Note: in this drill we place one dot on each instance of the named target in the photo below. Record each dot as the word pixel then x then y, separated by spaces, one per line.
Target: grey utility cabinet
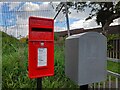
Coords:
pixel 86 58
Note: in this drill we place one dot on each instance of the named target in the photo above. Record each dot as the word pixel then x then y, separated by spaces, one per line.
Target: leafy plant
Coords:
pixel 56 37
pixel 111 37
pixel 9 44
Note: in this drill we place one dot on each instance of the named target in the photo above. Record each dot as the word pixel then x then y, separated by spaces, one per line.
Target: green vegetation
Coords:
pixel 15 73
pixel 55 37
pixel 58 80
pixel 14 66
pixel 113 66
pixel 113 36
pixel 9 44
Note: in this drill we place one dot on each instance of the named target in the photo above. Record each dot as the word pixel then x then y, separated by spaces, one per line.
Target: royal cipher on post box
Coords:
pixel 41 47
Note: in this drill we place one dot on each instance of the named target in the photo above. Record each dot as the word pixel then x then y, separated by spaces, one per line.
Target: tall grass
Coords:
pixel 14 71
pixel 113 66
pixel 15 64
pixel 59 80
pixel 15 74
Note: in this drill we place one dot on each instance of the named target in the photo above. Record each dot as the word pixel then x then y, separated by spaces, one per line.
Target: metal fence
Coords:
pixel 112 81
pixel 14 16
pixel 114 49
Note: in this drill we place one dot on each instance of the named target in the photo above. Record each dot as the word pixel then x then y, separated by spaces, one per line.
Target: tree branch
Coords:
pixel 108 22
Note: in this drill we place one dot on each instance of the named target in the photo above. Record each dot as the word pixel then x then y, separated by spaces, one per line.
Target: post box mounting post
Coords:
pixel 39 84
pixel 84 87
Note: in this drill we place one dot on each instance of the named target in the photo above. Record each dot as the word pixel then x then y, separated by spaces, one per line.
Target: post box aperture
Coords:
pixel 41 47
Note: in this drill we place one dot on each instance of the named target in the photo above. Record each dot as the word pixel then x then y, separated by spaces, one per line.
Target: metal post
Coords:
pixel 84 87
pixel 67 19
pixel 58 11
pixel 39 83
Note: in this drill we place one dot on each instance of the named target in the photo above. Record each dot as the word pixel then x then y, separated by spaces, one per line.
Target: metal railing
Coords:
pixel 112 81
pixel 114 48
pixel 113 78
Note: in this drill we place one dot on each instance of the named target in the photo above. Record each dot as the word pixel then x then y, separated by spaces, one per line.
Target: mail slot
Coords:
pixel 41 47
pixel 85 58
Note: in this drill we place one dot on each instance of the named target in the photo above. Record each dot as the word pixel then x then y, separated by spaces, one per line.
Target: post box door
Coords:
pixel 41 60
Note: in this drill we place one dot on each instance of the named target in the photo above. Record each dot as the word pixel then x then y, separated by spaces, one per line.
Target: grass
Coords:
pixel 15 73
pixel 113 66
pixel 15 61
pixel 9 44
pixel 58 80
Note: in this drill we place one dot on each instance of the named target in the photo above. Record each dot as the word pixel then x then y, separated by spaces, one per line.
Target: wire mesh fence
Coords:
pixel 15 15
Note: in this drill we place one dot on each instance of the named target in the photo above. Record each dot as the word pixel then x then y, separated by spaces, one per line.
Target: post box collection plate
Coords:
pixel 40 47
pixel 42 57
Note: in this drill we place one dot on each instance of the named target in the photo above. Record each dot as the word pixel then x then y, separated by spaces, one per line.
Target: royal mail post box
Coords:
pixel 85 58
pixel 41 47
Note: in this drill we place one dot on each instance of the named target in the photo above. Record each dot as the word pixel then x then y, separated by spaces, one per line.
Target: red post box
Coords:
pixel 41 47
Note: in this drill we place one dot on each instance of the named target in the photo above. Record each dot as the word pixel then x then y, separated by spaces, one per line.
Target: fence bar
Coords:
pixel 94 85
pixel 109 81
pixel 113 74
pixel 116 48
pixel 114 52
pixel 116 82
pixel 110 53
pixel 104 85
pixel 119 49
pixel 114 60
pixel 99 85
pixel 91 85
pixel 113 49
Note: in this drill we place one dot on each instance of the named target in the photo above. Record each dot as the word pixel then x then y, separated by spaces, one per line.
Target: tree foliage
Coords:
pixel 105 12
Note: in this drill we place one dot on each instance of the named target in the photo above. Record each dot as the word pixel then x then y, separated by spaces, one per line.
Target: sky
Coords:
pixel 14 17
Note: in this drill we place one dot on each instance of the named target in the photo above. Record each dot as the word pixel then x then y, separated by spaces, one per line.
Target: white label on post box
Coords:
pixel 42 57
